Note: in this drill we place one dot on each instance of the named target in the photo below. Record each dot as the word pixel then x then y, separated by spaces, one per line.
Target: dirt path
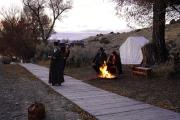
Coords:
pixel 19 89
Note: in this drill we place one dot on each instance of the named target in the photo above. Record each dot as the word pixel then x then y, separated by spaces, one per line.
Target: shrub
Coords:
pixel 80 56
pixel 42 52
pixel 137 30
pixel 94 40
pixel 6 60
pixel 163 70
pixel 104 40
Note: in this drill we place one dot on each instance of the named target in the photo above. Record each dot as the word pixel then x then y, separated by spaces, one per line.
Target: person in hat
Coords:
pixel 66 54
pixel 56 72
pixel 99 59
pixel 52 62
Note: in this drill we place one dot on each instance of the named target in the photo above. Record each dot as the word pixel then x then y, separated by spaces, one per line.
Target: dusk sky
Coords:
pixel 85 16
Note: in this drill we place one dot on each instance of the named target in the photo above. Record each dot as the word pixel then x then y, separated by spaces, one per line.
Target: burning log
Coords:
pixel 104 73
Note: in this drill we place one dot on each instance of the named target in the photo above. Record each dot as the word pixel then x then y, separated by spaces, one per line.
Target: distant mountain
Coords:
pixel 77 35
pixel 72 35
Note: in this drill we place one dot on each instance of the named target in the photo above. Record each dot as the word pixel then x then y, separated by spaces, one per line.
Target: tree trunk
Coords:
pixel 159 11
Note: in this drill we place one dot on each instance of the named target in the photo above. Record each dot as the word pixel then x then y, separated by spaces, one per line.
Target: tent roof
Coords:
pixel 140 40
pixel 130 50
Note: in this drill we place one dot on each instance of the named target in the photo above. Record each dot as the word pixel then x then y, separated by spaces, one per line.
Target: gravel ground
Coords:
pixel 19 89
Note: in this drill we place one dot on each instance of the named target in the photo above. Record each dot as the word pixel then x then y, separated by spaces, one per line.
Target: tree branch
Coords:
pixel 175 8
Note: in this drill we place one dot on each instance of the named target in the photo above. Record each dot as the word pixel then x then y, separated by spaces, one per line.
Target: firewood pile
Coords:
pixel 36 111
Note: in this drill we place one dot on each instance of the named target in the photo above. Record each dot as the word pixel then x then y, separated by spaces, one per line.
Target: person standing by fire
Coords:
pixel 99 59
pixel 114 62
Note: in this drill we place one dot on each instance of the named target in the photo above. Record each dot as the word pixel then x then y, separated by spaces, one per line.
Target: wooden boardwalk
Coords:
pixel 102 104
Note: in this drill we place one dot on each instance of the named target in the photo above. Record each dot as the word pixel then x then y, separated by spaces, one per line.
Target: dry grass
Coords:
pixel 173 32
pixel 45 63
pixel 81 73
pixel 163 70
pixel 17 71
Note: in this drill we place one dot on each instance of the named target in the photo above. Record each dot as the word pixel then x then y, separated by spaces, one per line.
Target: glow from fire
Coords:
pixel 104 73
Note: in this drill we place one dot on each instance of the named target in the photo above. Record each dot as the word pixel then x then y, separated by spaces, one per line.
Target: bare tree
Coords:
pixel 8 14
pixel 16 35
pixel 38 7
pixel 10 18
pixel 144 10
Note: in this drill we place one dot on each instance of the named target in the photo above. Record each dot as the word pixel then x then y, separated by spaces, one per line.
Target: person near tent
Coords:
pixel 110 64
pixel 99 59
pixel 56 72
pixel 114 63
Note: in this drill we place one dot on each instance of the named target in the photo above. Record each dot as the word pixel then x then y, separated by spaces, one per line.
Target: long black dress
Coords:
pixel 56 75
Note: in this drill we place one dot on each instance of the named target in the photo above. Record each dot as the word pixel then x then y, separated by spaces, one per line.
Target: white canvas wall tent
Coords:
pixel 130 50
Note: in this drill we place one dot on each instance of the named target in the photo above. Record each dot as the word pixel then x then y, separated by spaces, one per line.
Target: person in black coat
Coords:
pixel 56 72
pixel 66 54
pixel 52 64
pixel 99 59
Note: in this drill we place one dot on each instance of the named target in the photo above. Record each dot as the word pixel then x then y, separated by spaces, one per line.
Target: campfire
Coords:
pixel 104 73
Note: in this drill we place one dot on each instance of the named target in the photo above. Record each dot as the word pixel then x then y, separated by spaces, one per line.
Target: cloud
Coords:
pixel 85 15
pixel 91 14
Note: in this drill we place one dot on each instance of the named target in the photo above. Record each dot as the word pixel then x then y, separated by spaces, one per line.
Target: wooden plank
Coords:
pixel 73 95
pixel 100 102
pixel 119 110
pixel 94 97
pixel 100 98
pixel 112 105
pixel 143 68
pixel 89 96
pixel 143 114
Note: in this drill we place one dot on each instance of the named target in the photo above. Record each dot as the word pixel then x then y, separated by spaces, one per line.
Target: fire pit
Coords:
pixel 104 73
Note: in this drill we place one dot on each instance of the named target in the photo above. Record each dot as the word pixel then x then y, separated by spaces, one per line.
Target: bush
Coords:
pixel 42 52
pixel 94 40
pixel 163 70
pixel 104 40
pixel 80 56
pixel 137 30
pixel 6 60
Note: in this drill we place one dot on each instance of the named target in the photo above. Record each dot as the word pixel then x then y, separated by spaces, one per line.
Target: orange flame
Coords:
pixel 104 72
